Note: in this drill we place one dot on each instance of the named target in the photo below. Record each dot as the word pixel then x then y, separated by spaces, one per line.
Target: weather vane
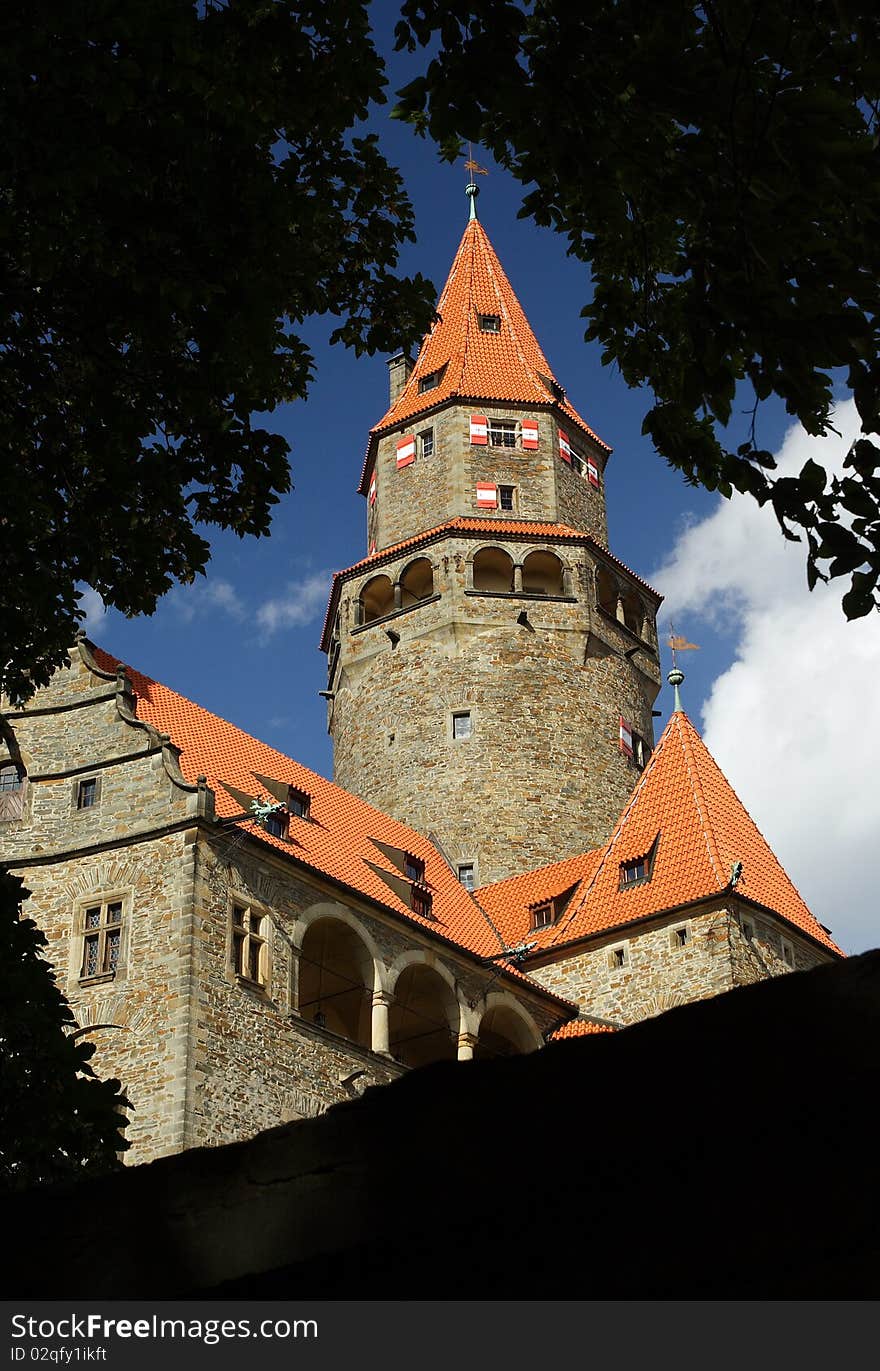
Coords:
pixel 474 167
pixel 679 644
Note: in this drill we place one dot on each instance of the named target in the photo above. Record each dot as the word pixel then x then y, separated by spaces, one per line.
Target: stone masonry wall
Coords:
pixel 659 973
pixel 257 1061
pixel 443 486
pixel 541 775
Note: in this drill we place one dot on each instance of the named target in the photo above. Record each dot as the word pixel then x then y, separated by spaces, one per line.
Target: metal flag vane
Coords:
pixel 676 676
pixel 472 190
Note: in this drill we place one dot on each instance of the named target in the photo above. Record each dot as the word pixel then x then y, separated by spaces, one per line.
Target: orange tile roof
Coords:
pixel 475 365
pixel 685 805
pixel 576 1028
pixel 501 528
pixel 336 840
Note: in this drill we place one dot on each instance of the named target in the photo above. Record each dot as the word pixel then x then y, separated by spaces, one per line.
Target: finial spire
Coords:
pixel 675 678
pixel 472 190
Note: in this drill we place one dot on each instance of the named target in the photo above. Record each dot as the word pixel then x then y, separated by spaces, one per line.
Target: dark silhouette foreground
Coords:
pixel 725 1150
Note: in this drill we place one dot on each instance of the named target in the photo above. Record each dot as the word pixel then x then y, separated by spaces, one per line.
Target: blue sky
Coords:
pixel 244 642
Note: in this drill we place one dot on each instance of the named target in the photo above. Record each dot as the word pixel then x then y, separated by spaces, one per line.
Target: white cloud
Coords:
pixel 203 596
pixel 791 721
pixel 302 602
pixel 95 610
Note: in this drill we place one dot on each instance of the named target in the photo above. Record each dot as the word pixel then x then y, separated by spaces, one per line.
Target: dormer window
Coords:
pixel 490 323
pixel 638 869
pixel 276 823
pixel 298 803
pixel 544 914
pixel 431 381
pixel 420 901
pixel 413 868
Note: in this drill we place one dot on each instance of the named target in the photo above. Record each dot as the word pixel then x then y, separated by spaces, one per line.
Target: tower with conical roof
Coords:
pixel 492 665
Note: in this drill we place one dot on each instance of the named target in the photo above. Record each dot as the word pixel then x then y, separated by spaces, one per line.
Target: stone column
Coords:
pixel 466 1044
pixel 379 1039
pixel 517 578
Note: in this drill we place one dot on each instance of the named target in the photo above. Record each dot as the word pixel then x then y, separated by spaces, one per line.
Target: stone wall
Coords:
pixel 433 489
pixel 658 972
pixel 542 775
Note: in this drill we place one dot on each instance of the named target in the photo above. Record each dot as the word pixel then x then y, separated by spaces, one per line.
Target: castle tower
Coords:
pixel 492 666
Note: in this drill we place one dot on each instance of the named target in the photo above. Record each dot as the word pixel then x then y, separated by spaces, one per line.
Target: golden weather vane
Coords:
pixel 474 167
pixel 679 644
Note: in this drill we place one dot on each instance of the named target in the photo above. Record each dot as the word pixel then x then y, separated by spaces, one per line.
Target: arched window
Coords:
pixel 633 613
pixel 336 980
pixel 493 570
pixel 542 574
pixel 12 790
pixel 606 591
pixel 377 599
pixel 503 1034
pixel 423 1023
pixel 417 582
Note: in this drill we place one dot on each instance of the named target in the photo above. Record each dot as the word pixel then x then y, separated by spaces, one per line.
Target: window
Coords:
pixel 429 382
pixel 641 751
pixel 87 793
pixel 679 937
pixel 461 725
pixel 413 868
pixel 502 433
pixel 631 873
pixel 10 777
pixel 276 823
pixel 787 953
pixel 11 791
pixel 505 497
pixel 102 939
pixel 299 803
pixel 543 914
pixel 426 442
pixel 467 876
pixel 250 952
pixel 618 957
pixel 748 929
pixel 490 323
pixel 421 902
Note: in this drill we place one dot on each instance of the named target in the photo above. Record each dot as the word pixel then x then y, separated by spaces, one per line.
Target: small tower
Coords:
pixel 492 666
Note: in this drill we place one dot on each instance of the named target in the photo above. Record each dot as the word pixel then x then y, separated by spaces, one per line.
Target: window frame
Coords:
pixel 482 320
pixel 618 957
pixel 472 868
pixel 543 905
pixel 77 793
pixel 457 714
pixel 508 427
pixel 510 491
pixel 248 939
pixel 108 967
pixel 426 442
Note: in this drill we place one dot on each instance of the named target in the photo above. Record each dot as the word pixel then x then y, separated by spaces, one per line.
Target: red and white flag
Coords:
pixel 372 492
pixel 487 497
pixel 592 472
pixel 479 430
pixel 529 434
pixel 406 450
pixel 626 737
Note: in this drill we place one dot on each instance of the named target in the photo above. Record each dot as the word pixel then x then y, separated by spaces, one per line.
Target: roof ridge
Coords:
pixel 699 798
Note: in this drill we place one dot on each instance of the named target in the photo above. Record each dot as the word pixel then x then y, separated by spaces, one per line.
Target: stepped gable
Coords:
pixel 338 838
pixel 509 365
pixel 686 818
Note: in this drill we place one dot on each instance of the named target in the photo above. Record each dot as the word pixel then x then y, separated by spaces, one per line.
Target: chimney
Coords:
pixel 399 372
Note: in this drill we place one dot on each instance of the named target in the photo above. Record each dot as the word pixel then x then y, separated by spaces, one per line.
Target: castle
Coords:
pixel 504 857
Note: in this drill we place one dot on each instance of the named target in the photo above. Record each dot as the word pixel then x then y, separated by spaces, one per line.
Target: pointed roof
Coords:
pixel 474 364
pixel 343 836
pixel 686 818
